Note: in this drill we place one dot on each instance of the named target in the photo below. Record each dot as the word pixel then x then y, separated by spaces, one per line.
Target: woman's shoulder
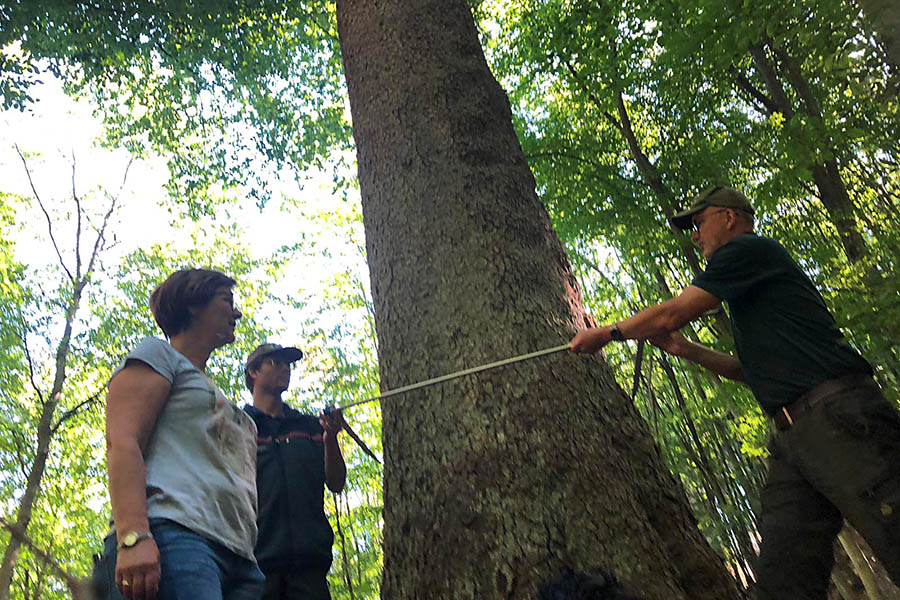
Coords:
pixel 153 349
pixel 153 345
pixel 160 356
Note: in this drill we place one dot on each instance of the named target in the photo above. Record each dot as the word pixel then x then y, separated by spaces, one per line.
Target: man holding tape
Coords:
pixel 296 455
pixel 836 451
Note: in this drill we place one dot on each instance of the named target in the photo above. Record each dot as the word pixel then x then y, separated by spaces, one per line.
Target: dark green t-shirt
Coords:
pixel 785 337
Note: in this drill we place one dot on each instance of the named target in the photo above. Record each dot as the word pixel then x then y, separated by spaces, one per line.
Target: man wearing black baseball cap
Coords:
pixel 836 451
pixel 296 455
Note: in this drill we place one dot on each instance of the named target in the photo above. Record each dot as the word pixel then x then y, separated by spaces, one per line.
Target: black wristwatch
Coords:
pixel 615 334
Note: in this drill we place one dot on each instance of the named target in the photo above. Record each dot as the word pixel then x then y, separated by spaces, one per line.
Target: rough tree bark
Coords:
pixel 493 483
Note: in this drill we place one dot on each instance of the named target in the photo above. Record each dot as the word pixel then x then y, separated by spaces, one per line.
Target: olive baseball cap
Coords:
pixel 725 197
pixel 287 353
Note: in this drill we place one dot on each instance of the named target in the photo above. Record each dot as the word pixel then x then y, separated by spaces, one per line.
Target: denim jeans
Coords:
pixel 192 567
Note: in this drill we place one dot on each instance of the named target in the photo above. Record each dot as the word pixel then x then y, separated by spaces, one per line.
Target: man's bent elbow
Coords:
pixel 735 373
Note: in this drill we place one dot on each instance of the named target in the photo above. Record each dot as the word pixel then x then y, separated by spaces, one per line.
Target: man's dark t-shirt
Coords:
pixel 785 337
pixel 290 481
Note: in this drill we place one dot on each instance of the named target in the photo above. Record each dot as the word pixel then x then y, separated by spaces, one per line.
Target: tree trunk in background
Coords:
pixel 497 482
pixel 826 175
pixel 29 497
pixel 866 567
pixel 84 270
pixel 45 433
pixel 885 18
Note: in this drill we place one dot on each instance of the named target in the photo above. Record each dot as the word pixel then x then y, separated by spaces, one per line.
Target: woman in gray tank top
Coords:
pixel 181 458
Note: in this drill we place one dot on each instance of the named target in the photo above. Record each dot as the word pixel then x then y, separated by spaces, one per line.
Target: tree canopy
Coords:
pixel 625 110
pixel 226 90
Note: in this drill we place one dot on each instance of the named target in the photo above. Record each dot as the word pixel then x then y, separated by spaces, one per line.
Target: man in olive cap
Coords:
pixel 296 455
pixel 836 449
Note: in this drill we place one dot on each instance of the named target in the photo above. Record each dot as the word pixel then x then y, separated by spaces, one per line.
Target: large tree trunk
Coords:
pixel 493 483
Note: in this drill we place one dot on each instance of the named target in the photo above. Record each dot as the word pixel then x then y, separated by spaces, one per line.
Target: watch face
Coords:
pixel 130 539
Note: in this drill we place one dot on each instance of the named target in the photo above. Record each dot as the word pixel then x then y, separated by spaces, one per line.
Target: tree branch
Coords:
pixel 609 117
pixel 24 338
pixel 770 78
pixel 74 410
pixel 798 81
pixel 46 214
pixel 746 85
pixel 593 163
pixel 78 212
pixel 16 437
pixel 632 305
pixel 345 559
pixel 764 158
pixel 75 586
pixel 100 233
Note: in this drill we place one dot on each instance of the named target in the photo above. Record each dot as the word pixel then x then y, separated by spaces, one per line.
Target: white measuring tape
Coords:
pixel 428 382
pixel 463 373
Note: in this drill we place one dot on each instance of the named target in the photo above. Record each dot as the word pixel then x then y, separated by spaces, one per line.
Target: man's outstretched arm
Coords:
pixel 720 363
pixel 658 320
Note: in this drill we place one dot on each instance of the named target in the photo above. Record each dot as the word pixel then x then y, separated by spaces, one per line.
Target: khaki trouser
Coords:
pixel 840 459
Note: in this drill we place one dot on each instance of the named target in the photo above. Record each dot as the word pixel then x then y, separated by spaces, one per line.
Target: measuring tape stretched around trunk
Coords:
pixel 457 374
pixel 429 382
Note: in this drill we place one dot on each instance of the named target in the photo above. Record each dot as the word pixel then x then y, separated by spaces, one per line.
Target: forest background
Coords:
pixel 223 139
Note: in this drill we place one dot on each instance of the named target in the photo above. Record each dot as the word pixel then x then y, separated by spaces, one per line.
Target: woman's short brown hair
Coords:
pixel 181 290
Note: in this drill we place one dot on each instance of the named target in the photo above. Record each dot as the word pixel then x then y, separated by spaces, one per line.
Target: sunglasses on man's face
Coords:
pixel 279 361
pixel 696 222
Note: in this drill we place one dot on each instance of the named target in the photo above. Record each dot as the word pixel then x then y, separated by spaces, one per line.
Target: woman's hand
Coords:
pixel 137 571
